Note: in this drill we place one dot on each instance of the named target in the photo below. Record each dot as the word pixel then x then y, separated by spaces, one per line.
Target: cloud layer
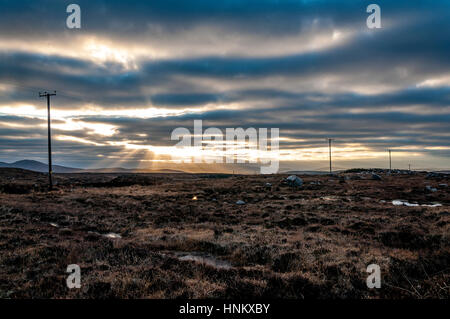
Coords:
pixel 136 70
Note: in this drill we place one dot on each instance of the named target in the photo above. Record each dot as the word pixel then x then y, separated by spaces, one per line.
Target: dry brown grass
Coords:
pixel 314 242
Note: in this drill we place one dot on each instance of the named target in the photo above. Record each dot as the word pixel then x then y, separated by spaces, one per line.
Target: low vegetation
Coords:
pixel 184 236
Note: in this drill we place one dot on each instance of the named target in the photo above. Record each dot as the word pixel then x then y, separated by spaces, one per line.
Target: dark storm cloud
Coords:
pixel 117 17
pixel 371 56
pixel 412 47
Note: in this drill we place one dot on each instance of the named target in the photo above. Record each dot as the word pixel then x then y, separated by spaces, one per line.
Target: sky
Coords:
pixel 137 70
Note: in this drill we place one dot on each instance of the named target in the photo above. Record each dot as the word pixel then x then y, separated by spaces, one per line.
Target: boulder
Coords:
pixel 376 177
pixel 294 181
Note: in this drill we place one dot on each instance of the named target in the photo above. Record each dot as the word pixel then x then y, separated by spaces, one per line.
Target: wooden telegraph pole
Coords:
pixel 48 95
pixel 329 151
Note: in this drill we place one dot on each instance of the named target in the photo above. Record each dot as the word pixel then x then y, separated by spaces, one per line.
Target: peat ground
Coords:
pixel 184 236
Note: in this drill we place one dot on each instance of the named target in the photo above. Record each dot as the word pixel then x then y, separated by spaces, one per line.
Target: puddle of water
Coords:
pixel 399 202
pixel 204 259
pixel 112 235
pixel 330 198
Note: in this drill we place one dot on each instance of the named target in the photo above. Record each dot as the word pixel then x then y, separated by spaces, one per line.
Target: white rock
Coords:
pixel 112 236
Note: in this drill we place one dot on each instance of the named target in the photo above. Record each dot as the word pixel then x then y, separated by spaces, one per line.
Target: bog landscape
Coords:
pixel 225 150
pixel 225 236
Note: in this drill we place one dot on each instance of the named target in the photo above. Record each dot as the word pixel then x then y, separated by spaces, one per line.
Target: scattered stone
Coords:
pixel 294 181
pixel 436 175
pixel 268 185
pixel 376 177
pixel 430 189
pixel 443 185
pixel 112 236
pixel 240 202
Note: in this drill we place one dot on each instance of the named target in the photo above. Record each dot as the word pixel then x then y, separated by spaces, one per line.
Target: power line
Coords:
pixel 48 95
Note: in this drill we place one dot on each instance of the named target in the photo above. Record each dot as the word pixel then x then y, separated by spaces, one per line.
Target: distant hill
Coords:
pixel 306 172
pixel 128 170
pixel 39 167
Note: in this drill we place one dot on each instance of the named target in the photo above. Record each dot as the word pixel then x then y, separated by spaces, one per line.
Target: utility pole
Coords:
pixel 329 149
pixel 390 161
pixel 409 165
pixel 48 95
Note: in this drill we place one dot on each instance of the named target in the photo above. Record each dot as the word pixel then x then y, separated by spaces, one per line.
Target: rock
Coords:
pixel 435 175
pixel 376 177
pixel 295 181
pixel 240 202
pixel 443 185
pixel 112 236
pixel 430 189
pixel 268 185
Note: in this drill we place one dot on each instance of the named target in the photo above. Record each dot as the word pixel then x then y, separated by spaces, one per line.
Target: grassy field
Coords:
pixel 184 236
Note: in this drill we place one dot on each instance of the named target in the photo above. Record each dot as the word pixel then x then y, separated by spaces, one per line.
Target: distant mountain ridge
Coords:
pixel 39 167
